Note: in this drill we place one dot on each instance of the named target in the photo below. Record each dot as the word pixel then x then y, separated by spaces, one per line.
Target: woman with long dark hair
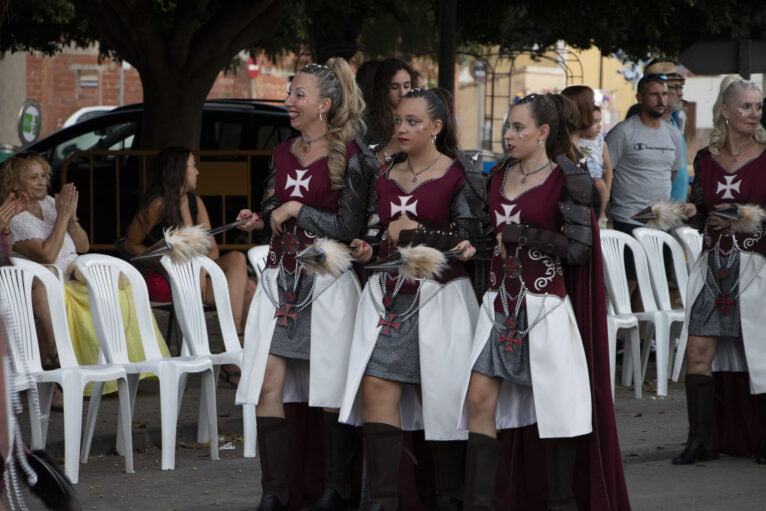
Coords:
pixel 171 202
pixel 415 334
pixel 539 361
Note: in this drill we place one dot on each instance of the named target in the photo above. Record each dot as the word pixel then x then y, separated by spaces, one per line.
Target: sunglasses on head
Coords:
pixel 656 76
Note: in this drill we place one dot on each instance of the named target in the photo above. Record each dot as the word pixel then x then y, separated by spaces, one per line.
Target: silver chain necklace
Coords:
pixel 527 174
pixel 416 174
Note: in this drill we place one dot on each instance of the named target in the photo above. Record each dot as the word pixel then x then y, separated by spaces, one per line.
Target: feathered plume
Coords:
pixel 662 215
pixel 750 219
pixel 326 257
pixel 422 262
pixel 186 242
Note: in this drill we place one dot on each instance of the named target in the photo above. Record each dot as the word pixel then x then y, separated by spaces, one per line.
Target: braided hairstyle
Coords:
pixel 344 120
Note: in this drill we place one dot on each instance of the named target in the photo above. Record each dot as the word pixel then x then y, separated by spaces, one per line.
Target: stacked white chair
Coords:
pixel 16 290
pixel 102 273
pixel 257 256
pixel 654 243
pixel 613 245
pixel 185 279
pixel 691 240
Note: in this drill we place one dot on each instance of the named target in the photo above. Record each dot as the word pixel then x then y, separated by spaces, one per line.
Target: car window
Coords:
pixel 113 138
pixel 271 135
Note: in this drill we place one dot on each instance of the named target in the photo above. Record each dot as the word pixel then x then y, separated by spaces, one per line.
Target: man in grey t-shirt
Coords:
pixel 645 153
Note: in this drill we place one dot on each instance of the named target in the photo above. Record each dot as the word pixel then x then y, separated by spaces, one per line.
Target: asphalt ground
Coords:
pixel 652 430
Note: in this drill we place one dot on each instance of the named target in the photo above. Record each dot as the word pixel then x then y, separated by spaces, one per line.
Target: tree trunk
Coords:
pixel 173 105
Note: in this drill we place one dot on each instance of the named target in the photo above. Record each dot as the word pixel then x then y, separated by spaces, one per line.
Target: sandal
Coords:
pixel 230 374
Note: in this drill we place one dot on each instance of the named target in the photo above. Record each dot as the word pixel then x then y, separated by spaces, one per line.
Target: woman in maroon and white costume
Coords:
pixel 409 333
pixel 298 332
pixel 727 285
pixel 533 354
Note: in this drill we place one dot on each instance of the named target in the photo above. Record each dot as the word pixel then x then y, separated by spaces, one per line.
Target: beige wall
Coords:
pixel 545 75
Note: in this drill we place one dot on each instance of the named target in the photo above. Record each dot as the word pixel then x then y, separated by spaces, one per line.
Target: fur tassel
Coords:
pixel 669 215
pixel 337 259
pixel 422 262
pixel 187 242
pixel 751 218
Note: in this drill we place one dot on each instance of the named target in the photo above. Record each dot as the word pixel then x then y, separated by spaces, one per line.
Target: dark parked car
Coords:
pixel 99 156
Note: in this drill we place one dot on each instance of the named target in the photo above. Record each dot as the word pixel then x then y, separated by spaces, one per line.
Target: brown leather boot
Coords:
pixel 480 468
pixel 699 404
pixel 449 474
pixel 339 440
pixel 383 451
pixel 272 449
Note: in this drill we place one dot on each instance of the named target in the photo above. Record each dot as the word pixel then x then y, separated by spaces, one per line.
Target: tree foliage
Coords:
pixel 178 47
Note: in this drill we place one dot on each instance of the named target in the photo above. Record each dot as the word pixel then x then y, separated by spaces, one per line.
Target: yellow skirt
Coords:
pixel 83 333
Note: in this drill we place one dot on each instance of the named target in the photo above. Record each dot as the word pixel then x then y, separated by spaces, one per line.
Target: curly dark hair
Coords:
pixel 380 123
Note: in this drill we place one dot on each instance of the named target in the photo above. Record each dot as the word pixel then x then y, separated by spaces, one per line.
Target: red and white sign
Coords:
pixel 253 68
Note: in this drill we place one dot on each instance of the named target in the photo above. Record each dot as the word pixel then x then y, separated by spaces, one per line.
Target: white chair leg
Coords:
pixel 125 418
pixel 72 428
pixel 132 392
pixel 44 397
pixel 646 350
pixel 90 421
pixel 212 413
pixel 203 433
pixel 612 338
pixel 634 341
pixel 249 430
pixel 169 412
pixel 35 421
pixel 662 335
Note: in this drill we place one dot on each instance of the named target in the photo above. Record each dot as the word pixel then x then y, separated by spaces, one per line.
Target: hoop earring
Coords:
pixel 726 121
pixel 540 142
pixel 320 116
pixel 433 139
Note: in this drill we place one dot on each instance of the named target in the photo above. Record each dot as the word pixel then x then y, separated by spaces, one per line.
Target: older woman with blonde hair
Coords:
pixel 725 320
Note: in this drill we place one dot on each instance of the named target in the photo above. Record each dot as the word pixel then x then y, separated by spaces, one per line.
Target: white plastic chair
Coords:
pixel 185 281
pixel 614 323
pixel 257 256
pixel 16 286
pixel 613 245
pixel 102 274
pixel 654 242
pixel 691 240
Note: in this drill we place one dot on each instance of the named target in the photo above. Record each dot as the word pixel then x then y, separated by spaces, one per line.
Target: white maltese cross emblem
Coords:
pixel 508 218
pixel 728 187
pixel 404 207
pixel 298 183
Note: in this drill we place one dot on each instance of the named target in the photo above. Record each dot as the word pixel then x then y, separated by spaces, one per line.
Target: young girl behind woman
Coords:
pixel 594 148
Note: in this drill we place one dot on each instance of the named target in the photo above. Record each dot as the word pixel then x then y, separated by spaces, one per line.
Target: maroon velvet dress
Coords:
pixel 520 481
pixel 736 425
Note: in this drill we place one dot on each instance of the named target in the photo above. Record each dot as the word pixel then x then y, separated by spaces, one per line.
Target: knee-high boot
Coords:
pixel 383 451
pixel 272 448
pixel 560 460
pixel 339 440
pixel 449 473
pixel 480 468
pixel 699 405
pixel 760 454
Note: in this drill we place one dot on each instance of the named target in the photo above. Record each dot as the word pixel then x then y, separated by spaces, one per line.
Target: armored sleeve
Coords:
pixel 696 198
pixel 574 242
pixel 347 223
pixel 270 202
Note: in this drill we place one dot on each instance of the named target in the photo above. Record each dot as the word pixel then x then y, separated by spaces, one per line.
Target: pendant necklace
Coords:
pixel 734 156
pixel 307 143
pixel 416 174
pixel 527 174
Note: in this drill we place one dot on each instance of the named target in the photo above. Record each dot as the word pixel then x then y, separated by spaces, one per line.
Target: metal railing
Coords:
pixel 112 183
